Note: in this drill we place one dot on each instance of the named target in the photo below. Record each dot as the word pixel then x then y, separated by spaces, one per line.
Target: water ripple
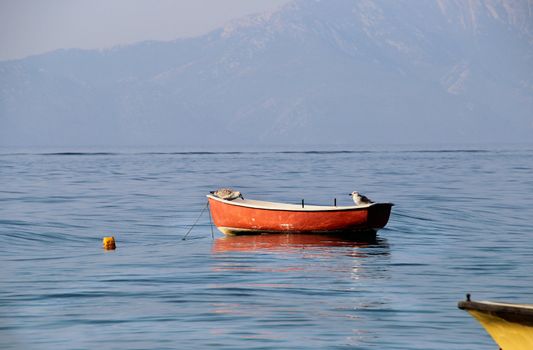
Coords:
pixel 461 224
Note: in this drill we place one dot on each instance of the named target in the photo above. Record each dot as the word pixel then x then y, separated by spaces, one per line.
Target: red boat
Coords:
pixel 244 216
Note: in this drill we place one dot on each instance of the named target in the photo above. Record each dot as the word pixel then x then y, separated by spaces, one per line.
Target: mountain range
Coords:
pixel 312 72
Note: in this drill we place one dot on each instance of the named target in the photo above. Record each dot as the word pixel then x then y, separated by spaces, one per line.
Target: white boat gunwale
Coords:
pixel 264 205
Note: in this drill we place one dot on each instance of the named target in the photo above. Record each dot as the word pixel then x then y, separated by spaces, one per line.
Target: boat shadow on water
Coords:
pixel 363 244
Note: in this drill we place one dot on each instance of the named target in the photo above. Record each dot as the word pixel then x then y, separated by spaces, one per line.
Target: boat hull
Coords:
pixel 510 325
pixel 233 219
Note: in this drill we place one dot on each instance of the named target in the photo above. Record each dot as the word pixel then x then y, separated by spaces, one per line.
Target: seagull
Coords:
pixel 359 199
pixel 227 194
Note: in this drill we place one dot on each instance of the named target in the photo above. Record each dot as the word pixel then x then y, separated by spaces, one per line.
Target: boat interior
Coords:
pixel 287 206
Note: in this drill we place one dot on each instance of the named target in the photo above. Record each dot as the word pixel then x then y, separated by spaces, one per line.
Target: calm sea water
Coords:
pixel 463 222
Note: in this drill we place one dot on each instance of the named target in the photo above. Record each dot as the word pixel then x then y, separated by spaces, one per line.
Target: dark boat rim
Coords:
pixel 510 312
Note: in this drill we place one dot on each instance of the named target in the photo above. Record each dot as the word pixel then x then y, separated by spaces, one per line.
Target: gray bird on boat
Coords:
pixel 227 194
pixel 359 199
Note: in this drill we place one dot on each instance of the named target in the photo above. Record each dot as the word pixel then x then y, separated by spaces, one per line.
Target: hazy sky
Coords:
pixel 35 26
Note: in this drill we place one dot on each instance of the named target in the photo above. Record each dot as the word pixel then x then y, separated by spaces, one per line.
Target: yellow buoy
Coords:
pixel 109 243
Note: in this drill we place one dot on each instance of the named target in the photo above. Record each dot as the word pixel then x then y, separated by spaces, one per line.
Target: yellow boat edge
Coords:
pixel 509 325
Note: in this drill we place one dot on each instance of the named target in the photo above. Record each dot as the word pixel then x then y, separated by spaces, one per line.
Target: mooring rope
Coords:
pixel 211 222
pixel 198 218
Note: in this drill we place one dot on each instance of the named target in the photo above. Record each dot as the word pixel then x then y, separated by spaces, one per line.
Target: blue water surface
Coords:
pixel 463 222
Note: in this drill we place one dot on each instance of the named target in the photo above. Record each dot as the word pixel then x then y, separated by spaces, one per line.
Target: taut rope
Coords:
pixel 198 218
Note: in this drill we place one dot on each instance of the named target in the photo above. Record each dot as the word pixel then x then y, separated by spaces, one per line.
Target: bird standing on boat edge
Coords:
pixel 359 199
pixel 227 194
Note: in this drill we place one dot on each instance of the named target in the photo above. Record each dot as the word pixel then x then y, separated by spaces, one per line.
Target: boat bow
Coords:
pixel 510 325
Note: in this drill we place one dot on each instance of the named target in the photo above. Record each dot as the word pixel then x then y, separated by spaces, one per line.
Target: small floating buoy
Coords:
pixel 109 243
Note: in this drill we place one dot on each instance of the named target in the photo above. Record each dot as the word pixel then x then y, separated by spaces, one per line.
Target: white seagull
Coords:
pixel 359 199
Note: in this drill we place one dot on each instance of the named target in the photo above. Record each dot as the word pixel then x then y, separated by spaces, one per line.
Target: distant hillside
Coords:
pixel 314 72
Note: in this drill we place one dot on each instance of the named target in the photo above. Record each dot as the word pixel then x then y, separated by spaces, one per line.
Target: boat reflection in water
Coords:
pixel 297 242
pixel 282 281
